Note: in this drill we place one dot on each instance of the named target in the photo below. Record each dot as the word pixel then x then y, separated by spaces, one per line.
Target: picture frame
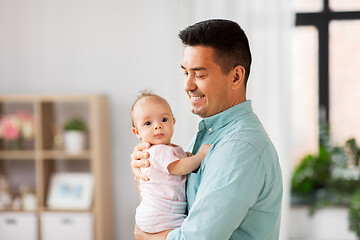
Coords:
pixel 70 191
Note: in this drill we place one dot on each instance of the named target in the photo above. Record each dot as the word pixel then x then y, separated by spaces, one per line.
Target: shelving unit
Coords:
pixel 42 157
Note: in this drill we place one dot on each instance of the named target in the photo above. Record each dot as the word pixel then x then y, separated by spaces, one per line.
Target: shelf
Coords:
pixel 18 98
pixel 43 156
pixel 47 154
pixel 17 154
pixel 17 211
pixel 65 210
pixel 59 154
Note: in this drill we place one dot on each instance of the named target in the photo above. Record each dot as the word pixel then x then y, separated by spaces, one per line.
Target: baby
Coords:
pixel 163 203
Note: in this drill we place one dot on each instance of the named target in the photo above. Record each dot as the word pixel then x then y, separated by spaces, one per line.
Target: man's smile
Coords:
pixel 195 98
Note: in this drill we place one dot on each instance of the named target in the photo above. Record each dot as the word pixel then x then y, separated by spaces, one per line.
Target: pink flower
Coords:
pixel 11 129
pixel 16 125
pixel 2 126
pixel 23 116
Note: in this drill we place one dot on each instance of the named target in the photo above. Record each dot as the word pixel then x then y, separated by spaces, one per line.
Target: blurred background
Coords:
pixel 305 76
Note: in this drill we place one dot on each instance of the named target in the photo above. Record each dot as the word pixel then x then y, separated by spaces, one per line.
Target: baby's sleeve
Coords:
pixel 162 156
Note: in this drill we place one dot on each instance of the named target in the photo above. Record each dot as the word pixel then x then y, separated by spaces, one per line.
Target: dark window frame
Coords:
pixel 321 21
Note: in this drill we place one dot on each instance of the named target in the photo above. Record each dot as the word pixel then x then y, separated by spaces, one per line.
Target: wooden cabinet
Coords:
pixel 32 162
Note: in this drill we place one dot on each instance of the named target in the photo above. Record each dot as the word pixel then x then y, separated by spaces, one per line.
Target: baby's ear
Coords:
pixel 136 132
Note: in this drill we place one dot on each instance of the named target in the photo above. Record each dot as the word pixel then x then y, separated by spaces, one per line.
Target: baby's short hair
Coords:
pixel 143 94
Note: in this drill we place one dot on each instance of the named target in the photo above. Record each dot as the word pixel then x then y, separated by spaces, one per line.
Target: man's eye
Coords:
pixel 147 124
pixel 164 120
pixel 199 76
pixel 185 73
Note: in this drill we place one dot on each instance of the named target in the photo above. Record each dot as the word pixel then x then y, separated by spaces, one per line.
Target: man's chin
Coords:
pixel 198 112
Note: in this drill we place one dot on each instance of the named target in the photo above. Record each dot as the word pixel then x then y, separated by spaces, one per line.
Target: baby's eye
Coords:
pixel 164 120
pixel 147 123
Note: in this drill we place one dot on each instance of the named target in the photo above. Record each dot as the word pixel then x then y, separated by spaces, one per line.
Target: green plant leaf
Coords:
pixel 75 124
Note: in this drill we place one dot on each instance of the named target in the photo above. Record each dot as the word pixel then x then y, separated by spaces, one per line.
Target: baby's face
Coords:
pixel 154 121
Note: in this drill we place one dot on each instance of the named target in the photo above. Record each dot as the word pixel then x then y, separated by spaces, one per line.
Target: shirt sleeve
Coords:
pixel 231 180
pixel 162 156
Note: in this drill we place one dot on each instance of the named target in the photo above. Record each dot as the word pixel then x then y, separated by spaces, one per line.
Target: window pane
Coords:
pixel 344 5
pixel 344 80
pixel 304 92
pixel 307 5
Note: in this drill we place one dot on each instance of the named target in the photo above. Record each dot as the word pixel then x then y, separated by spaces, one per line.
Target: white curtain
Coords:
pixel 268 26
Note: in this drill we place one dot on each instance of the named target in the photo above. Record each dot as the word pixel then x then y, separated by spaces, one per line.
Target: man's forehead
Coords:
pixel 197 58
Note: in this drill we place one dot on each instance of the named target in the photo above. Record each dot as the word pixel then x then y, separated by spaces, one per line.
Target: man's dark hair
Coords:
pixel 227 39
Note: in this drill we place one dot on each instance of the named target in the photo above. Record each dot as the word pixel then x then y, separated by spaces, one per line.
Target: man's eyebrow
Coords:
pixel 195 68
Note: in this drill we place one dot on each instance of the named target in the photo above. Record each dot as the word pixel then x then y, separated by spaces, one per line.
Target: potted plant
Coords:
pixel 330 178
pixel 74 135
pixel 354 216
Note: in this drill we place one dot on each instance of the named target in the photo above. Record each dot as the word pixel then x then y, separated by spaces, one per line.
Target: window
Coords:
pixel 326 66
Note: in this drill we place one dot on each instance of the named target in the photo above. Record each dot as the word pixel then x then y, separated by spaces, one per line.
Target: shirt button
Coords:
pixel 210 129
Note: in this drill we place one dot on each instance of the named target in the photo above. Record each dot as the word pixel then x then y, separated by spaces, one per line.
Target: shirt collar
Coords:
pixel 223 118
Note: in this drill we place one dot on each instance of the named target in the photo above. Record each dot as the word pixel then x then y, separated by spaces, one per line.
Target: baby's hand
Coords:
pixel 189 154
pixel 204 149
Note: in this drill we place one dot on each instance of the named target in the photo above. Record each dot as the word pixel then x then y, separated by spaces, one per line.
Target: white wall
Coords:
pixel 119 47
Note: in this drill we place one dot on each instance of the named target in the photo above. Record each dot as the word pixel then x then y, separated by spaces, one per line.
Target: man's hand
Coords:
pixel 139 159
pixel 140 235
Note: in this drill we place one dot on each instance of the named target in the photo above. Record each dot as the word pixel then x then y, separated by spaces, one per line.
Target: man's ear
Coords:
pixel 136 132
pixel 238 77
pixel 174 120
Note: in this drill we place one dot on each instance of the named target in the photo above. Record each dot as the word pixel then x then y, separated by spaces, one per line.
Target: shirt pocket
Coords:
pixel 193 183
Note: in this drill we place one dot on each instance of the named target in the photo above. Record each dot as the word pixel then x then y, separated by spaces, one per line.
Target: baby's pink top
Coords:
pixel 162 183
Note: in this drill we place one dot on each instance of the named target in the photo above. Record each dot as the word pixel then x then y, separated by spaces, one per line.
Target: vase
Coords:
pixel 74 142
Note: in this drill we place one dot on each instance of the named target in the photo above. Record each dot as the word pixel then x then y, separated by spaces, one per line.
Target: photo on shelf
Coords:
pixel 70 191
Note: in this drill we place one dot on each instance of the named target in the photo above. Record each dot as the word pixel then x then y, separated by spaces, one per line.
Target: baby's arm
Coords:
pixel 186 165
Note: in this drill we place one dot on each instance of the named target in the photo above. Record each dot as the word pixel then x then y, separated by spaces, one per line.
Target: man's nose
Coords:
pixel 189 83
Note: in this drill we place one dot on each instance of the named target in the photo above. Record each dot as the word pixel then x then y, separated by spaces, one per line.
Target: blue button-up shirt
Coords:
pixel 236 193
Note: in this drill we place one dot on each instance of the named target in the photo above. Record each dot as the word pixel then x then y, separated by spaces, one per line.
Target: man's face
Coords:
pixel 207 86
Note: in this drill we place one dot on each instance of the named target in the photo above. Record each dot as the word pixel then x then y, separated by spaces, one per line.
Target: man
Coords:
pixel 236 193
